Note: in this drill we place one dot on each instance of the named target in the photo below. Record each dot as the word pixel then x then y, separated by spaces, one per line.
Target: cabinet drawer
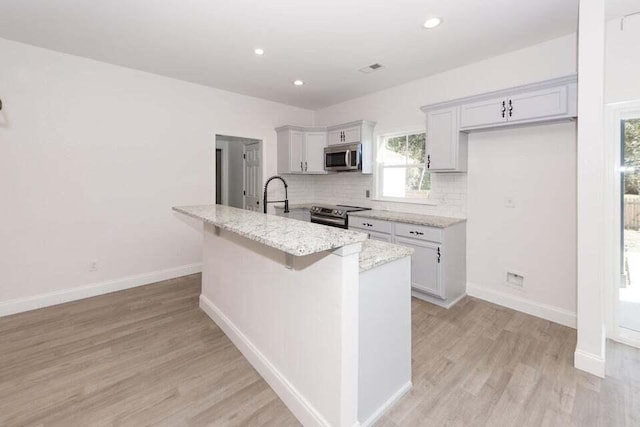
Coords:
pixel 369 224
pixel 420 232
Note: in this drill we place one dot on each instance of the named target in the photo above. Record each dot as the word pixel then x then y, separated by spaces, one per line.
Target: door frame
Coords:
pixel 232 134
pixel 244 168
pixel 615 113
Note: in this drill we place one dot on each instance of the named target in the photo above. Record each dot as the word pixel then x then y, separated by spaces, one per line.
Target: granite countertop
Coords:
pixel 409 218
pixel 294 237
pixel 376 253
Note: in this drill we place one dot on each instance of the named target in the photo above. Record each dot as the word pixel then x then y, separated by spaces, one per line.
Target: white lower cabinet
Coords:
pixel 438 263
pixel 426 272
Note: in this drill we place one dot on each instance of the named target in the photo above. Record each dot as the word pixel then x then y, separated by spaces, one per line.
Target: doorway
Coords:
pixel 629 293
pixel 622 253
pixel 238 173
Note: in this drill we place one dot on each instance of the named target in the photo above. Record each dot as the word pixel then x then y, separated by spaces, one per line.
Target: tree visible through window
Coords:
pixel 401 167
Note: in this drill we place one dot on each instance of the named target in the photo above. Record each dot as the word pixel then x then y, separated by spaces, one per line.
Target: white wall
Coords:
pixel 93 156
pixel 515 244
pixel 623 60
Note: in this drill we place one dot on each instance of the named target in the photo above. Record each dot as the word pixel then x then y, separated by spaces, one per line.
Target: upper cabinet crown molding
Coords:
pixel 448 123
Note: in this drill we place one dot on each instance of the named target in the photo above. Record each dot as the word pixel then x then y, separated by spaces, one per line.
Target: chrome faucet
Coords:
pixel 286 196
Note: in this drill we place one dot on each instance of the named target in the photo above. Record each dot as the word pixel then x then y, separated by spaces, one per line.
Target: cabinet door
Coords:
pixel 296 149
pixel 351 135
pixel 483 113
pixel 426 266
pixel 442 139
pixel 314 152
pixel 335 137
pixel 541 104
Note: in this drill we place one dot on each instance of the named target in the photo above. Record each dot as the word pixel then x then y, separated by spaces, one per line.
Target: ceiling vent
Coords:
pixel 371 68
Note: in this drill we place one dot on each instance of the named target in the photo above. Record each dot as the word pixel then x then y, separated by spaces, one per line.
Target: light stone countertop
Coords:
pixel 376 253
pixel 409 218
pixel 294 237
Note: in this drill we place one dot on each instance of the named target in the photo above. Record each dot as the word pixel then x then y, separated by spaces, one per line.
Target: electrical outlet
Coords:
pixel 515 279
pixel 367 194
pixel 509 202
pixel 93 265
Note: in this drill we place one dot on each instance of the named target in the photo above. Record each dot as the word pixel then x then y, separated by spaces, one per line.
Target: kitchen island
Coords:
pixel 323 314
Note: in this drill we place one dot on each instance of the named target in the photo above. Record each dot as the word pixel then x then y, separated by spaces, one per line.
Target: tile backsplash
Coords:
pixel 448 193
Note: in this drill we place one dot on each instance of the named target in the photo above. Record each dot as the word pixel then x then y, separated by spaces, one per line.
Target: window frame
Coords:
pixel 378 167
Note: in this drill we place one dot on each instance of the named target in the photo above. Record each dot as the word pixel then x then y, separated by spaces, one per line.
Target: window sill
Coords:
pixel 425 202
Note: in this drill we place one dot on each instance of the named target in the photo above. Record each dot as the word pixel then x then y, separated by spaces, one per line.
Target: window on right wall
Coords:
pixel 401 174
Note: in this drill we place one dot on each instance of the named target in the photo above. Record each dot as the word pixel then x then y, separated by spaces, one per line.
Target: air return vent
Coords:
pixel 371 68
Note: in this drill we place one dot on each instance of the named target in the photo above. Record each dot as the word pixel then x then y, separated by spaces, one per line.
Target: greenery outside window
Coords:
pixel 401 172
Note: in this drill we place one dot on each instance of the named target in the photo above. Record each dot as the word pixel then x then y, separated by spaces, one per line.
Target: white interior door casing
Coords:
pixel 252 178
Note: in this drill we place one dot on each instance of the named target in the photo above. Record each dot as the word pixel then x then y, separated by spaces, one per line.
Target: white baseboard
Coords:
pixel 20 305
pixel 544 311
pixel 301 408
pixel 387 405
pixel 590 363
pixel 436 301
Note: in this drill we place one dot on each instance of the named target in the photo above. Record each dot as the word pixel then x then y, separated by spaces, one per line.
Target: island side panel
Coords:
pixel 385 338
pixel 295 325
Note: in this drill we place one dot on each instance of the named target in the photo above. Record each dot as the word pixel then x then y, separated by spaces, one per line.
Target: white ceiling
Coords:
pixel 323 42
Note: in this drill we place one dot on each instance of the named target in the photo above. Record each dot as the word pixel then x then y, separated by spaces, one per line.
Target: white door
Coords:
pixel 252 178
pixel 426 266
pixel 541 104
pixel 296 151
pixel 442 139
pixel 483 113
pixel 314 152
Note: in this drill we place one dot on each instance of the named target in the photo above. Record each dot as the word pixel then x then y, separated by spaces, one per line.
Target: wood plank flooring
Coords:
pixel 149 356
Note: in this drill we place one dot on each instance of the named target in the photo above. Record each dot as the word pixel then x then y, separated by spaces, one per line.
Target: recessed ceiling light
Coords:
pixel 432 22
pixel 258 51
pixel 298 82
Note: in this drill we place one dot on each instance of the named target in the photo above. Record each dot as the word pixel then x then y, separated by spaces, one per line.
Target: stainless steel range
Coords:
pixel 335 216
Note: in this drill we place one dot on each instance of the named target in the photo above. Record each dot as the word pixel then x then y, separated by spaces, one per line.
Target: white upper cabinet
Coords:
pixel 345 135
pixel 446 146
pixel 482 113
pixel 449 122
pixel 301 150
pixel 538 105
pixel 314 154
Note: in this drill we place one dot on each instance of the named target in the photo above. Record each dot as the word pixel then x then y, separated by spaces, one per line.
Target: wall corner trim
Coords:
pixel 589 362
pixel 544 311
pixel 20 305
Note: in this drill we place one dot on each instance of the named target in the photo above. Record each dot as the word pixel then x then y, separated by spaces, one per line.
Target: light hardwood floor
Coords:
pixel 149 356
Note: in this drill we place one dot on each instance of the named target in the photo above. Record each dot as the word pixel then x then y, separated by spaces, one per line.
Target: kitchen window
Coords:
pixel 401 174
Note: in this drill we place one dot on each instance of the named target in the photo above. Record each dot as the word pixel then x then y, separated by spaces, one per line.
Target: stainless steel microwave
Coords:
pixel 343 157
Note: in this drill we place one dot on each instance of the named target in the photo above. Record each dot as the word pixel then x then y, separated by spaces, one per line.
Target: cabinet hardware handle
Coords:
pixel 305 166
pixel 301 169
pixel 439 255
pixel 504 108
pixel 510 108
pixel 428 161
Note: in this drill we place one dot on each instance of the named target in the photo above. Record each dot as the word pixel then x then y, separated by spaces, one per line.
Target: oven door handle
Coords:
pixel 324 219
